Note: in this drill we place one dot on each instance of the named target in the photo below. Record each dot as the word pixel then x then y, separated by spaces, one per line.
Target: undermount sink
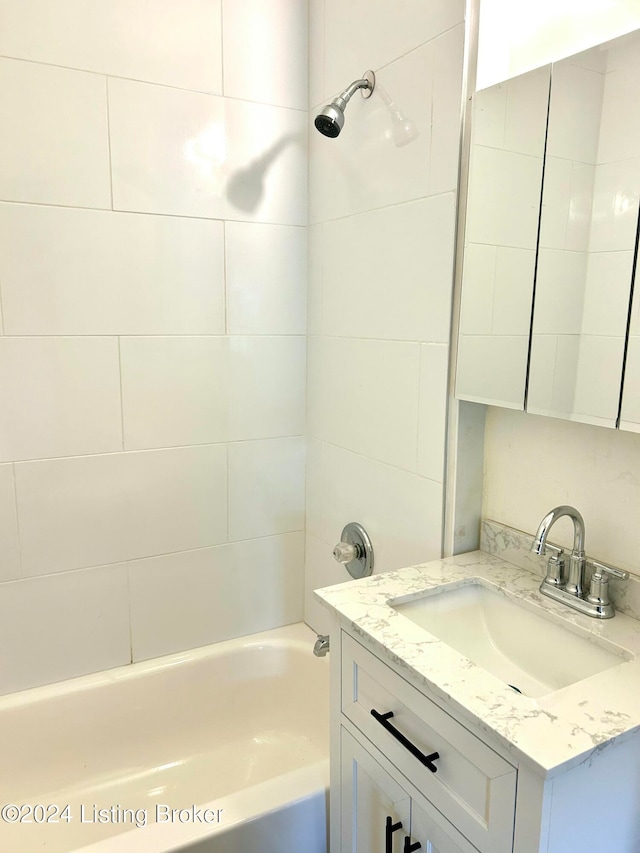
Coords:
pixel 530 653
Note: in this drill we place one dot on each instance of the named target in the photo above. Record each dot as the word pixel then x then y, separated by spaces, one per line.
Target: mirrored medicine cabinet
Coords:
pixel 550 318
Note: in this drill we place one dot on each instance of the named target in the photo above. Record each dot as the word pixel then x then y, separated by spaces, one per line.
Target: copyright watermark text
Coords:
pixel 159 813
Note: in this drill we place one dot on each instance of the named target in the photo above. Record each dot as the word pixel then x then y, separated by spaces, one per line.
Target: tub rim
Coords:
pixel 297 635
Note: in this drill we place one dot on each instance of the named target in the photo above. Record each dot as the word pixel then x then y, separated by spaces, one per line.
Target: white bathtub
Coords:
pixel 239 729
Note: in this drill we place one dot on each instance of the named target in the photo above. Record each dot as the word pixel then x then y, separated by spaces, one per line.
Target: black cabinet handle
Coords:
pixel 409 847
pixel 390 829
pixel 427 760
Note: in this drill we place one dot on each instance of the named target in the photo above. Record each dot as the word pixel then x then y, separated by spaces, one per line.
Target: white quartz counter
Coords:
pixel 551 733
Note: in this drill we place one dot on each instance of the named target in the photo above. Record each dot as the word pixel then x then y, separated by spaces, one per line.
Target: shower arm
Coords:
pixel 343 99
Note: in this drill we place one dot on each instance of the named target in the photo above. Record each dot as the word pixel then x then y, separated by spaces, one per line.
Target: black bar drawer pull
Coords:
pixel 389 830
pixel 409 847
pixel 427 760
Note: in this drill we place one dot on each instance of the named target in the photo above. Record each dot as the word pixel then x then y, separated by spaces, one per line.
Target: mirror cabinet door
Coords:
pixel 628 124
pixel 508 127
pixel 630 410
pixel 587 235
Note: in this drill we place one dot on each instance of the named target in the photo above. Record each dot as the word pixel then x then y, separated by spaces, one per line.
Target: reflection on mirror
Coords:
pixel 587 235
pixel 505 183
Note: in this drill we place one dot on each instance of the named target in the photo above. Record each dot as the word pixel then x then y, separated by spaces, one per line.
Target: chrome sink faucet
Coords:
pixel 596 603
pixel 575 580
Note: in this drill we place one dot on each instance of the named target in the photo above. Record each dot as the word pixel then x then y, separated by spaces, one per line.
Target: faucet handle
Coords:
pixel 556 552
pixel 602 568
pixel 541 549
pixel 555 566
pixel 599 589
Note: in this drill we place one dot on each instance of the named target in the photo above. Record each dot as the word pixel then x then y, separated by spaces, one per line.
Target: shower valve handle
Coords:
pixel 344 552
pixel 355 551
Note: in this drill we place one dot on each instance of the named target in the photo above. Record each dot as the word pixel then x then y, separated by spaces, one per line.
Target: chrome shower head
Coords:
pixel 330 120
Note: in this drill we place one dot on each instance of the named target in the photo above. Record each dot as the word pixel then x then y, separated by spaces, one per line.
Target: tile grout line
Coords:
pixel 222 46
pixel 15 500
pixel 121 399
pixel 131 450
pixel 311 305
pixel 224 277
pixel 228 490
pixel 106 81
pixel 2 318
pixel 421 402
pixel 171 86
pixel 412 50
pixel 128 579
pixel 127 561
pixel 375 460
pixel 189 335
pixel 369 210
pixel 126 212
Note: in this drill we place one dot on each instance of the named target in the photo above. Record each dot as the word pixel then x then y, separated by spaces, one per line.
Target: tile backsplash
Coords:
pixel 514 546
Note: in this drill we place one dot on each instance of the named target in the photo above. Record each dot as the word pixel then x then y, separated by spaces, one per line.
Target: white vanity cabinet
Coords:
pixel 402 757
pixel 381 809
pixel 472 786
pixel 480 798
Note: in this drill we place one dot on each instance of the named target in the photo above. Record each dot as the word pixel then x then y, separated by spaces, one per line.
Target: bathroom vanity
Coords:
pixel 434 747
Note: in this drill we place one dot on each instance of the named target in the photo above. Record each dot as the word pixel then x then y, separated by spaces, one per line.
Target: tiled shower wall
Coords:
pixel 152 355
pixel 382 213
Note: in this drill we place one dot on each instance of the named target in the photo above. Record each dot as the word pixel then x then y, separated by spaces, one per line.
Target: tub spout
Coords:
pixel 321 646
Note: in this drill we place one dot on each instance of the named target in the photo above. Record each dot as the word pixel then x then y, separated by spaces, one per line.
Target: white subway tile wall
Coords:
pixel 61 626
pixel 54 146
pixel 154 305
pixel 61 397
pixel 264 296
pixel 9 546
pixel 266 30
pixel 266 487
pixel 153 40
pixel 105 273
pixel 153 255
pixel 180 601
pixel 90 510
pixel 382 205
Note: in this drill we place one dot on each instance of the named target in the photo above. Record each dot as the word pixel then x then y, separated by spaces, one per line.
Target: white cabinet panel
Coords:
pixel 587 231
pixel 492 369
pixel 503 208
pixel 472 786
pixel 370 797
pixel 382 812
pixel 431 836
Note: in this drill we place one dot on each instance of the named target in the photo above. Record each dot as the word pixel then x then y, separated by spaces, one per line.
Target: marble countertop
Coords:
pixel 551 733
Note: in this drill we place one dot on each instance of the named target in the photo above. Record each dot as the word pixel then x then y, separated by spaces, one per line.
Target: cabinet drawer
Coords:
pixel 473 786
